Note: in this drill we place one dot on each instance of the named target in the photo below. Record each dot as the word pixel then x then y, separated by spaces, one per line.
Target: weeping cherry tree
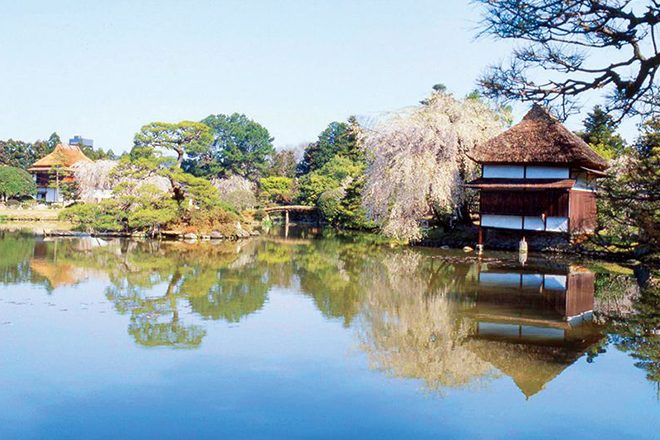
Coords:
pixel 418 160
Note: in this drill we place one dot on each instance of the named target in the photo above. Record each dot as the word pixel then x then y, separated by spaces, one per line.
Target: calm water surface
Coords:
pixel 310 337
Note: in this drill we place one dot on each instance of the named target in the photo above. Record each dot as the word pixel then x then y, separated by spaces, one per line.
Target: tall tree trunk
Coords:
pixel 179 157
pixel 177 191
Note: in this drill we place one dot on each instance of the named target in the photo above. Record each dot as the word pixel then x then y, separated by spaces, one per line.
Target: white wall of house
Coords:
pixel 501 221
pixel 49 195
pixel 52 195
pixel 503 171
pixel 555 282
pixel 527 280
pixel 534 223
pixel 499 279
pixel 582 184
pixel 552 224
pixel 524 172
pixel 536 172
pixel 532 280
pixel 556 224
pixel 519 331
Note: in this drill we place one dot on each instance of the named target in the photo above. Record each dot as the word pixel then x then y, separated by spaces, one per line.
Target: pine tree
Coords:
pixel 600 133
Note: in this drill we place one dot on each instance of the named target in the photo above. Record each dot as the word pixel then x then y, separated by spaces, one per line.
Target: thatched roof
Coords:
pixel 538 139
pixel 530 366
pixel 62 156
pixel 56 274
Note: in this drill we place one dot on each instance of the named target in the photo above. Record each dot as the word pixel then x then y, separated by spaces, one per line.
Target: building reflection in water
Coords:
pixel 49 261
pixel 533 323
pixel 433 317
pixel 452 324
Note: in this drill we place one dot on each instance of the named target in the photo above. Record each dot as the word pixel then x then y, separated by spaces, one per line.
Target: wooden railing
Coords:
pixel 285 208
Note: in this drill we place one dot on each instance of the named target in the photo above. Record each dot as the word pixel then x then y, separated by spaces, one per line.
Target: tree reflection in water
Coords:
pixel 638 333
pixel 192 274
pixel 421 314
pixel 411 324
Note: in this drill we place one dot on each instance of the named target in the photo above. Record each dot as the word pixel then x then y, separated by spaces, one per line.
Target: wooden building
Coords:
pixel 538 295
pixel 537 177
pixel 532 323
pixel 54 169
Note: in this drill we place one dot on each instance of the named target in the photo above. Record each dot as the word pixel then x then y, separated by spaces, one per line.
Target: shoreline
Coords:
pixel 65 230
pixel 49 226
pixel 167 235
pixel 192 238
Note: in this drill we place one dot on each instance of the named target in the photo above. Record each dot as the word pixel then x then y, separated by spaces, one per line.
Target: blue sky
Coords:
pixel 103 69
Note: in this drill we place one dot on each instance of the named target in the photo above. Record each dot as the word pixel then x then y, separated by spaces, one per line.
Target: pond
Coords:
pixel 319 337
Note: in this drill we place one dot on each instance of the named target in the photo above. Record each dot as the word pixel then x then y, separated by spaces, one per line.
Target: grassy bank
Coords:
pixel 29 214
pixel 35 220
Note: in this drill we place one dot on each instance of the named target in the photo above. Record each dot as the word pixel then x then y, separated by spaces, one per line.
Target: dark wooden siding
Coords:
pixel 580 293
pixel 42 179
pixel 583 216
pixel 532 203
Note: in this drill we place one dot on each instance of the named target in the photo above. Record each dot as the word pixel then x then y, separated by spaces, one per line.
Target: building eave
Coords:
pixel 520 184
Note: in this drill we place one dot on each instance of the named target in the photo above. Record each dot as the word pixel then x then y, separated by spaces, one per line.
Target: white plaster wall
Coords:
pixel 555 282
pixel 515 330
pixel 542 332
pixel 504 171
pixel 499 279
pixel 557 224
pixel 536 172
pixel 501 221
pixel 52 195
pixel 581 183
pixel 491 328
pixel 532 280
pixel 533 223
pixel 553 224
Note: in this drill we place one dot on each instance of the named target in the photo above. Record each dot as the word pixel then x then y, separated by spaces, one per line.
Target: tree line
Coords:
pixel 410 166
pixel 386 174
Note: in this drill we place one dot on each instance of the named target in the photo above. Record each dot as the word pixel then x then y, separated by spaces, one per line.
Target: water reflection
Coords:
pixel 453 325
pixel 437 317
pixel 413 325
pixel 532 323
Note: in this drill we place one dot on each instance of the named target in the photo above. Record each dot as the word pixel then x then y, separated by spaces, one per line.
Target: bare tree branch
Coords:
pixel 560 37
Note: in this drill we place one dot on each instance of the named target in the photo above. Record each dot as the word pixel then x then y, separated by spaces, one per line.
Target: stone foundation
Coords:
pixel 502 239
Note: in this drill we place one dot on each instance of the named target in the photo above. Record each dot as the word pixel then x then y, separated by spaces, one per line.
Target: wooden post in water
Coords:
pixel 480 244
pixel 286 223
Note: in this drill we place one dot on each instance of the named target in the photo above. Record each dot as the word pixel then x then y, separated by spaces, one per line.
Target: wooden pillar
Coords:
pixel 57 186
pixel 286 224
pixel 544 216
pixel 480 243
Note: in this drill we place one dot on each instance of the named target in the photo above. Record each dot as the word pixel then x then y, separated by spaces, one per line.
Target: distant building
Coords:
pixel 54 169
pixel 81 142
pixel 537 178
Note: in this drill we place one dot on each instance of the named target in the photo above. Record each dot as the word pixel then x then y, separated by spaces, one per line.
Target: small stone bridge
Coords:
pixel 291 208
